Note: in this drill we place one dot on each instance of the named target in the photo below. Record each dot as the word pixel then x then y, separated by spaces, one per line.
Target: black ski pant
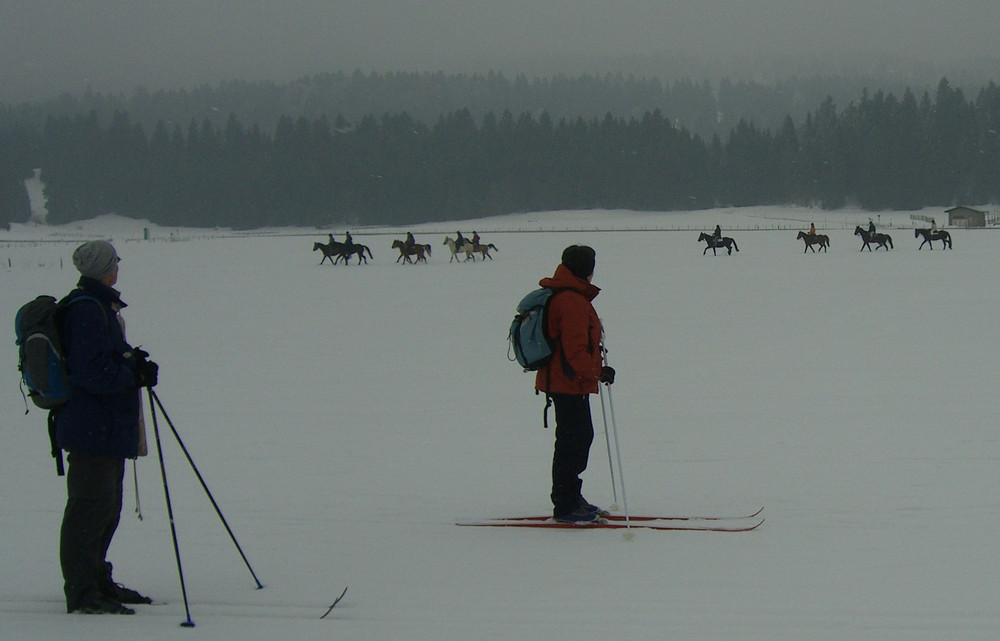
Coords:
pixel 574 435
pixel 93 508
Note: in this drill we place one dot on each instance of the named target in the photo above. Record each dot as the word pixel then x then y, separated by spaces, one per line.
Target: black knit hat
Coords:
pixel 580 260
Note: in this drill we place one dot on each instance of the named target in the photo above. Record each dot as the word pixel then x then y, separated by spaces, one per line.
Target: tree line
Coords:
pixel 881 151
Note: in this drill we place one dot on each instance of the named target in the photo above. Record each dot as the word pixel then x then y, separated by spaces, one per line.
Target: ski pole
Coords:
pixel 170 511
pixel 607 441
pixel 204 486
pixel 618 452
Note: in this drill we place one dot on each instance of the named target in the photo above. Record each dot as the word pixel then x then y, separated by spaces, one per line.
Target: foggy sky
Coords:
pixel 49 46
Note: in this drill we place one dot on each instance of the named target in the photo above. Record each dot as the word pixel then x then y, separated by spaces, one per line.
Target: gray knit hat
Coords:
pixel 95 259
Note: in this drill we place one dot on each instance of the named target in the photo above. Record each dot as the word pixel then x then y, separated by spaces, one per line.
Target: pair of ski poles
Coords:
pixel 607 440
pixel 154 403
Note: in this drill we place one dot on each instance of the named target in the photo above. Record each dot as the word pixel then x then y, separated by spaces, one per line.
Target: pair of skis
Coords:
pixel 734 523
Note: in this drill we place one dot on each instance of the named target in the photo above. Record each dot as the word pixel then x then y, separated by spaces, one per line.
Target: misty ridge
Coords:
pixel 706 96
pixel 401 148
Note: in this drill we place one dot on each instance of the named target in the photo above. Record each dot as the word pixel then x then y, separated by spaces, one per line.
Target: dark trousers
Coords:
pixel 93 508
pixel 574 434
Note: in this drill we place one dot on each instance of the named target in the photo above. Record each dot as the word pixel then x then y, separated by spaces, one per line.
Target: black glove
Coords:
pixel 146 373
pixel 607 374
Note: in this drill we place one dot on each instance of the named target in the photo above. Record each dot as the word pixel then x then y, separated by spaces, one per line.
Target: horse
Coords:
pixel 881 240
pixel 465 247
pixel 420 251
pixel 484 250
pixel 356 248
pixel 930 236
pixel 814 239
pixel 714 243
pixel 333 251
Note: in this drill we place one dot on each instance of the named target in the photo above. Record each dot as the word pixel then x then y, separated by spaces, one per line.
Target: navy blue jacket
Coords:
pixel 102 416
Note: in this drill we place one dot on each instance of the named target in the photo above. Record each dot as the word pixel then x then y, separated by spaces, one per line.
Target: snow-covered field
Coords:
pixel 345 418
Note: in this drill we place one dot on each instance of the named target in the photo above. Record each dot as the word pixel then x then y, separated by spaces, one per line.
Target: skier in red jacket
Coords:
pixel 571 376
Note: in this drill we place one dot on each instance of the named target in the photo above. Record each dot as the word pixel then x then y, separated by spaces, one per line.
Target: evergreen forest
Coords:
pixel 306 166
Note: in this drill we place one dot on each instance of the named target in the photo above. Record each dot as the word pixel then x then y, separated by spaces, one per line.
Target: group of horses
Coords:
pixel 408 252
pixel 469 248
pixel 883 241
pixel 868 239
pixel 336 251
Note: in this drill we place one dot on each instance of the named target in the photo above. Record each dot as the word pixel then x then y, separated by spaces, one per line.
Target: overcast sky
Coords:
pixel 50 46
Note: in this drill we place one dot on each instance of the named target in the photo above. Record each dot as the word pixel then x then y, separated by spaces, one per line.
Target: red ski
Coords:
pixel 617 523
pixel 641 518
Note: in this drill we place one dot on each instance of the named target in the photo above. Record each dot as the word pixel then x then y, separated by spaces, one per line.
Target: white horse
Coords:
pixel 467 248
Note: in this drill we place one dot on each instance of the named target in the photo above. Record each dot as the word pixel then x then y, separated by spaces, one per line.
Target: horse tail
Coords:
pixel 428 249
pixel 889 238
pixel 735 246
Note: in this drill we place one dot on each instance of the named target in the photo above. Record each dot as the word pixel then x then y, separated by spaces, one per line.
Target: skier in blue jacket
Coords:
pixel 100 427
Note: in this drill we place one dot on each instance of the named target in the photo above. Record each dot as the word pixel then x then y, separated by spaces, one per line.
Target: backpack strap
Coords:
pixel 548 368
pixel 56 451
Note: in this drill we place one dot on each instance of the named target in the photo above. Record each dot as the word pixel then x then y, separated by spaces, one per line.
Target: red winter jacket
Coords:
pixel 573 324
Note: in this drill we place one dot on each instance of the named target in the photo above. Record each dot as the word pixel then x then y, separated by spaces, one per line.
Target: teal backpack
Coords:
pixel 528 337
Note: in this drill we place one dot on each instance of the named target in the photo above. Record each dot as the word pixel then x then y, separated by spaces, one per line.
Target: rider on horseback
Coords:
pixel 812 229
pixel 717 235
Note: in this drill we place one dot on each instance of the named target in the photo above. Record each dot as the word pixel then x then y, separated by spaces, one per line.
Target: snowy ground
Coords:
pixel 345 418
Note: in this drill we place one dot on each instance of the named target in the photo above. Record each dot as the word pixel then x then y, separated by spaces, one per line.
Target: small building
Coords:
pixel 965 217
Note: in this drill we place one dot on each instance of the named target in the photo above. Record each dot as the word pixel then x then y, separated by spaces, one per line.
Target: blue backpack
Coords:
pixel 528 337
pixel 40 356
pixel 42 361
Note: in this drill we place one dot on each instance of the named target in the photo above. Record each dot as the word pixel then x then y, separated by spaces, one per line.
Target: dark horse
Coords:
pixel 728 243
pixel 930 236
pixel 880 240
pixel 356 248
pixel 814 239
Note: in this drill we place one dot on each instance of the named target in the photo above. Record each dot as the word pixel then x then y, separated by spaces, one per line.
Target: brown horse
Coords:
pixel 420 251
pixel 484 250
pixel 814 239
pixel 333 251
